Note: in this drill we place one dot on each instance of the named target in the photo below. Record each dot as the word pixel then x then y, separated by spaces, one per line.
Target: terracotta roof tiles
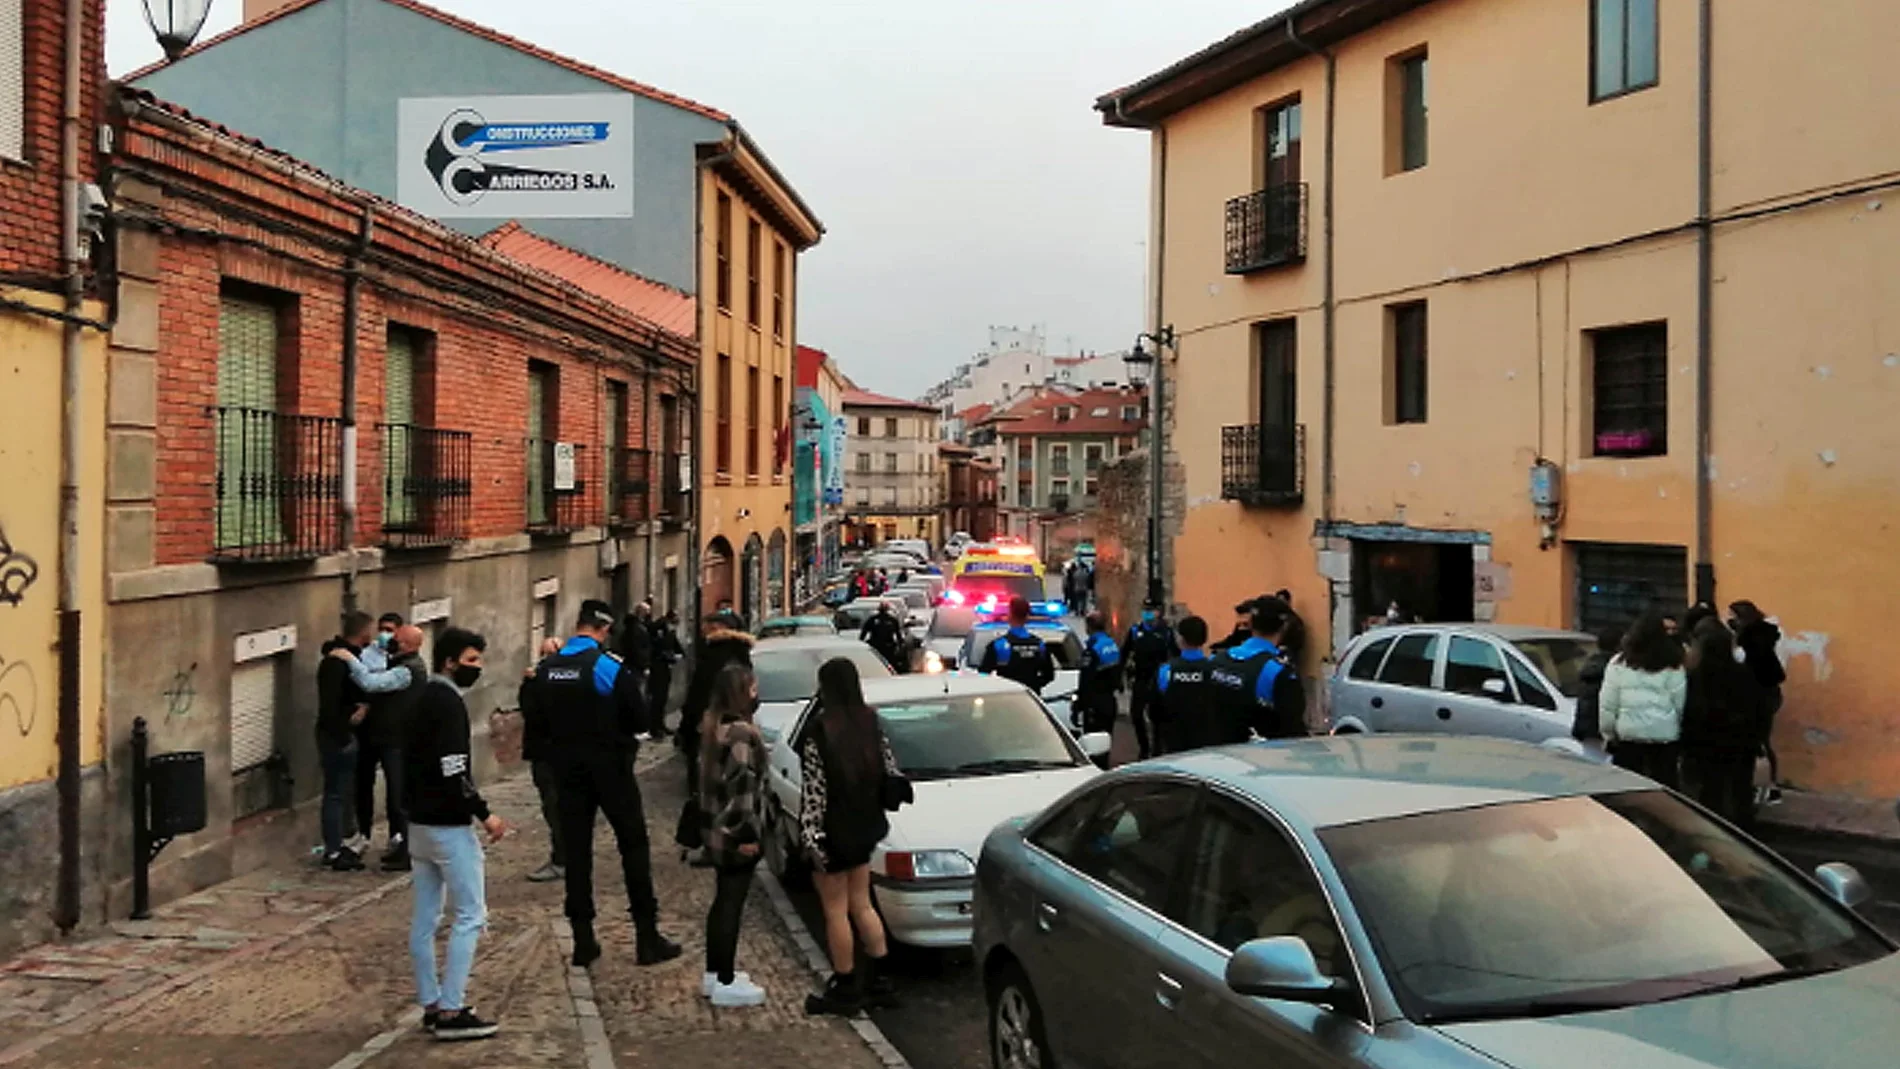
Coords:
pixel 664 306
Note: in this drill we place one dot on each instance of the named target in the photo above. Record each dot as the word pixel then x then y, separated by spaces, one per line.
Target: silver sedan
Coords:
pixel 1406 902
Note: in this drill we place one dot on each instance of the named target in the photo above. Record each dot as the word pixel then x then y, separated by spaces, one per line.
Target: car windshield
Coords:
pixel 974 590
pixel 944 737
pixel 1571 904
pixel 782 628
pixel 1560 659
pixel 952 622
pixel 913 598
pixel 791 675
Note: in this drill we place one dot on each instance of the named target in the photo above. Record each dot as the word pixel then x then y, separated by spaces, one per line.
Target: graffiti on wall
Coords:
pixel 181 694
pixel 17 571
pixel 19 696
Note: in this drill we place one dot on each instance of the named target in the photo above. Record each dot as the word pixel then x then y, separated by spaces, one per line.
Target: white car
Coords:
pixel 787 671
pixel 978 751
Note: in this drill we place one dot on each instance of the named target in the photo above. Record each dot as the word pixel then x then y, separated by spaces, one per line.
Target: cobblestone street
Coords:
pixel 297 968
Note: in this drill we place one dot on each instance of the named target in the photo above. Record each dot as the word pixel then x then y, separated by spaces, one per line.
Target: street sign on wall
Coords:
pixel 516 157
pixel 563 466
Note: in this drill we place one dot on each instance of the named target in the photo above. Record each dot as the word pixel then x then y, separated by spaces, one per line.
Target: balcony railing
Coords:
pixel 557 497
pixel 1266 228
pixel 428 485
pixel 1059 503
pixel 676 504
pixel 632 486
pixel 1059 466
pixel 1263 464
pixel 278 486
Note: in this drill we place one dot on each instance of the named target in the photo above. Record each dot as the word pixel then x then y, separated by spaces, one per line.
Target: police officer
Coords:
pixel 1016 654
pixel 1101 676
pixel 1184 701
pixel 1243 628
pixel 1146 651
pixel 1255 689
pixel 883 633
pixel 595 711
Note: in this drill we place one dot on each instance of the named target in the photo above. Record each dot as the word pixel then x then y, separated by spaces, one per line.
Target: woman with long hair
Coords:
pixel 732 795
pixel 1721 725
pixel 849 779
pixel 1757 636
pixel 1639 710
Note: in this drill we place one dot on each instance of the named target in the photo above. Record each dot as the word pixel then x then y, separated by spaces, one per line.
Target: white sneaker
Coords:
pixel 739 993
pixel 710 981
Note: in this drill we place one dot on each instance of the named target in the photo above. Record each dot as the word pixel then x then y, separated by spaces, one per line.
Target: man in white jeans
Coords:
pixel 443 807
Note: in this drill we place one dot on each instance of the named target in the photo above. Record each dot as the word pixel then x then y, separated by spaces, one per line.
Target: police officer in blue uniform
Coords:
pixel 595 712
pixel 1016 654
pixel 1146 651
pixel 1101 677
pixel 1184 701
pixel 1255 688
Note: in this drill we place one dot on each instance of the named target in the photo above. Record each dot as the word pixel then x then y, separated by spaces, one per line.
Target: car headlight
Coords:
pixel 928 865
pixel 933 662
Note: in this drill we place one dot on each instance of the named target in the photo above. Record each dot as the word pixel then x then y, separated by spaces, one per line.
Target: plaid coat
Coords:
pixel 733 798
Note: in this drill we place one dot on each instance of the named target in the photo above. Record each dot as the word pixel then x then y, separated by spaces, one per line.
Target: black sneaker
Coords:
pixel 652 948
pixel 840 998
pixel 396 858
pixel 344 860
pixel 429 1018
pixel 880 992
pixel 463 1024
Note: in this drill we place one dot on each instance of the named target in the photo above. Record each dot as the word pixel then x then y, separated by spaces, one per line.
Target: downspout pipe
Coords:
pixel 352 301
pixel 1157 421
pixel 656 480
pixel 72 265
pixel 1329 281
pixel 1705 303
pixel 696 492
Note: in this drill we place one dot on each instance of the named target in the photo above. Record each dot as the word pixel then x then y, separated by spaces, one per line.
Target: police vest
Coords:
pixel 579 718
pixel 1022 658
pixel 1149 647
pixel 1101 665
pixel 1238 685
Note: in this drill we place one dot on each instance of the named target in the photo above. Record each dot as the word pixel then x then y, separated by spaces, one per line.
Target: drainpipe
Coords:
pixel 1329 281
pixel 66 896
pixel 352 298
pixel 1157 422
pixel 1705 302
pixel 656 479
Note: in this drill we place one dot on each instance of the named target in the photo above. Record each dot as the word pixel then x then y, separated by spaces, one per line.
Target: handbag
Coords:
pixel 690 832
pixel 895 791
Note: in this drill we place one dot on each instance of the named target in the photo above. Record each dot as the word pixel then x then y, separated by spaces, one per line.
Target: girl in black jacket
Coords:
pixel 1721 725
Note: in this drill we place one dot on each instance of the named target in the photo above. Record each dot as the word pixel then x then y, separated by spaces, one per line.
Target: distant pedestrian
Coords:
pixel 1100 680
pixel 1149 646
pixel 1017 653
pixel 537 749
pixel 732 795
pixel 1722 721
pixel 1255 689
pixel 884 633
pixel 598 713
pixel 1639 710
pixel 1185 717
pixel 443 802
pixel 341 706
pixel 850 781
pixel 667 652
pixel 1584 726
pixel 1757 637
pixel 634 643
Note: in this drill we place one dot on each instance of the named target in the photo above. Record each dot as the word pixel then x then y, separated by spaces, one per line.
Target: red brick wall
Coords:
pixel 29 189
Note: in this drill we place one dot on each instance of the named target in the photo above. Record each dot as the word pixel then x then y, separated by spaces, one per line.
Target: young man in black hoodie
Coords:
pixel 341 706
pixel 443 805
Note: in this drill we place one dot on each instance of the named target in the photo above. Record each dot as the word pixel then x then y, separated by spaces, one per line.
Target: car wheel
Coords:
pixel 783 856
pixel 1018 1036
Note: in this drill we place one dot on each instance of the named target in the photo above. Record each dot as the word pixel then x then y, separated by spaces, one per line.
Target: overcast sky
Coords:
pixel 948 145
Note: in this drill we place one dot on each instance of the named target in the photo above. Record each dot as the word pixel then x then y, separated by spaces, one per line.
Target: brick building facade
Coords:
pixel 29 167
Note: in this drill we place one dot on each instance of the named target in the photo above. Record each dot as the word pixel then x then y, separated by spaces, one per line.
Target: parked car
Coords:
pixel 916 547
pixel 931 585
pixel 786 626
pixel 787 671
pixel 1409 901
pixel 977 750
pixel 949 627
pixel 917 605
pixel 1462 679
pixel 850 618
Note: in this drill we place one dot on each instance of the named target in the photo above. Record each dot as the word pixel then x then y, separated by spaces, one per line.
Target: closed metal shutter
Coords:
pixel 248 512
pixel 1618 583
pixel 253 713
pixel 399 412
pixel 537 475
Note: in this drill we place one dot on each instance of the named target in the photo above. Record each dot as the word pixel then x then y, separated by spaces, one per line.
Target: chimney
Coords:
pixel 257 9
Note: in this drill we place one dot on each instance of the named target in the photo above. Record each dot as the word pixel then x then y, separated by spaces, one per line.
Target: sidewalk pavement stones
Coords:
pixel 301 968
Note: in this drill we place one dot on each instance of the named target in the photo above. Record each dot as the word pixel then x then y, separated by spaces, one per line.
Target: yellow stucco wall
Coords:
pixel 29 541
pixel 1525 177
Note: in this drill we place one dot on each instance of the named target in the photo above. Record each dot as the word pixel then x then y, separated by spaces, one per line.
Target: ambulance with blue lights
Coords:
pixel 987 576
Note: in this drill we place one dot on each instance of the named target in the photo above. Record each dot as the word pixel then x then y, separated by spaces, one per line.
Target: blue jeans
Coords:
pixel 446 860
pixel 339 782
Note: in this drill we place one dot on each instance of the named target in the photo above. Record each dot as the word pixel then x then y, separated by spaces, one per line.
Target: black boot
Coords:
pixel 876 987
pixel 650 947
pixel 586 947
pixel 840 998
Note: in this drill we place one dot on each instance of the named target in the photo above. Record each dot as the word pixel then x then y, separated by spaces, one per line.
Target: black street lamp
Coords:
pixel 1146 367
pixel 176 23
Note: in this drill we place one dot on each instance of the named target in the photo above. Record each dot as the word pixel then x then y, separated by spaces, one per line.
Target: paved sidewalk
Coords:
pixel 300 968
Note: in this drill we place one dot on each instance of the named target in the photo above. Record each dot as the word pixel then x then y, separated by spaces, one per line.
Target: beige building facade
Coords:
pixel 1466 319
pixel 893 486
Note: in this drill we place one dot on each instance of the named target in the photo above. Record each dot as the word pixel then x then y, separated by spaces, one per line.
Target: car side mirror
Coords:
pixel 1096 744
pixel 1843 883
pixel 1283 968
pixel 1496 688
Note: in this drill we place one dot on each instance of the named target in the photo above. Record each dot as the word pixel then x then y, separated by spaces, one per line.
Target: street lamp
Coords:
pixel 1147 368
pixel 176 23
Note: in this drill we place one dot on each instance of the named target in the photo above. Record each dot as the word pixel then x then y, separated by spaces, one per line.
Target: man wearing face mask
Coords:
pixel 1149 645
pixel 440 796
pixel 596 712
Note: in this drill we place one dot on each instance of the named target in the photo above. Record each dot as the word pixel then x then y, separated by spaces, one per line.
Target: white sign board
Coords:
pixel 426 612
pixel 516 157
pixel 563 466
pixel 265 643
pixel 686 473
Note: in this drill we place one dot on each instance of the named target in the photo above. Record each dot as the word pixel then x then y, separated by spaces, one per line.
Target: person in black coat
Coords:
pixel 1584 728
pixel 1757 636
pixel 721 643
pixel 1721 725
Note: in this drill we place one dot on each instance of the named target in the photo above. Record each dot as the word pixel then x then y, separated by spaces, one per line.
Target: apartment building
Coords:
pixel 891 480
pixel 1050 447
pixel 1528 312
pixel 817 471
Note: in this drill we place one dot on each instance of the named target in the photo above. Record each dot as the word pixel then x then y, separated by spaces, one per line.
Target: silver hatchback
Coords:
pixel 1462 679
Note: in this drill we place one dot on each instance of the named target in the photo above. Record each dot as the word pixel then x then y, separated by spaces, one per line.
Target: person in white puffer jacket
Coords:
pixel 1640 707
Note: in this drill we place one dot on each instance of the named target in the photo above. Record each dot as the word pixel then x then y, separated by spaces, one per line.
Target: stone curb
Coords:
pixel 820 966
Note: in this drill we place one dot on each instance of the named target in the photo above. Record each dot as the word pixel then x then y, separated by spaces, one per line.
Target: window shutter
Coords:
pixel 247 504
pixel 253 713
pixel 399 443
pixel 399 379
pixel 537 449
pixel 247 355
